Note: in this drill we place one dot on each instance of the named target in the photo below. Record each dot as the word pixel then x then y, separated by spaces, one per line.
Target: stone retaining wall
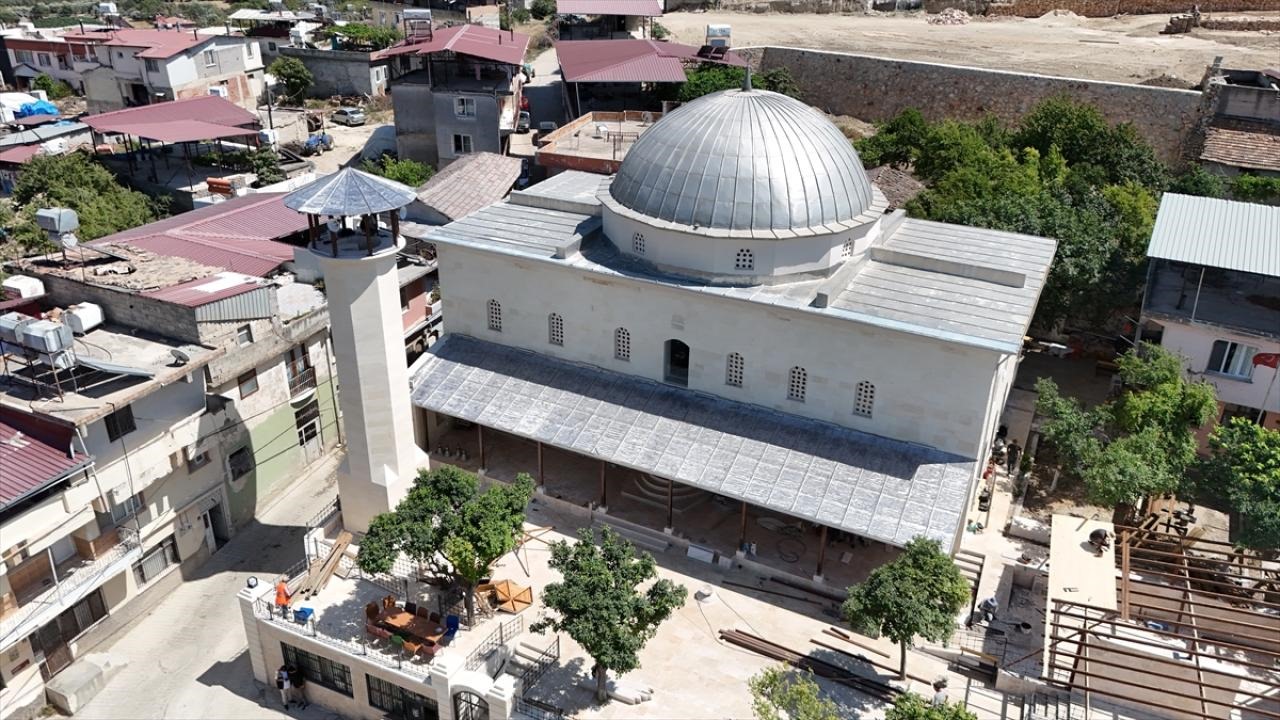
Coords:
pixel 1108 8
pixel 876 89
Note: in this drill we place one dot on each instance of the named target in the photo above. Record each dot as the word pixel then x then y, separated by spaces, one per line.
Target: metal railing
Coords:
pixel 300 382
pixel 548 657
pixel 505 632
pixel 538 710
pixel 325 515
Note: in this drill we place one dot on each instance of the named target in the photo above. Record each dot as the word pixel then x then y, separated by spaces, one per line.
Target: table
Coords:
pixel 513 598
pixel 415 627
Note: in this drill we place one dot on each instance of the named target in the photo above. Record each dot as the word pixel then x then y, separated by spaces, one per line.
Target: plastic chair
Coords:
pixel 398 643
pixel 411 608
pixel 434 617
pixel 425 613
pixel 451 625
pixel 371 612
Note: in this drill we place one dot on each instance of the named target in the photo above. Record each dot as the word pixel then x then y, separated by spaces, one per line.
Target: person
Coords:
pixel 1013 455
pixel 299 685
pixel 987 608
pixel 940 692
pixel 1100 539
pixel 284 685
pixel 283 597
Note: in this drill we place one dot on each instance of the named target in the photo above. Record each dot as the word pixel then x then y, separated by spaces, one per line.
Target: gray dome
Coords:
pixel 744 160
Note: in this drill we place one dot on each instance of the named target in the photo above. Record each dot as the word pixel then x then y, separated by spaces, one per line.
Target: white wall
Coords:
pixel 927 391
pixel 1195 342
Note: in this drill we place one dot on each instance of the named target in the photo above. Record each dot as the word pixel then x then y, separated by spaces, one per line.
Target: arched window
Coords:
pixel 555 329
pixel 637 243
pixel 864 399
pixel 733 370
pixel 745 260
pixel 470 706
pixel 495 315
pixel 622 344
pixel 797 384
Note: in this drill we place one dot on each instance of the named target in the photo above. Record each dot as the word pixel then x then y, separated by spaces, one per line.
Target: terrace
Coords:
pixel 1227 298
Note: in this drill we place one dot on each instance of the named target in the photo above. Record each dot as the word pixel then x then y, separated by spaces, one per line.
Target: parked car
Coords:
pixel 349 116
pixel 522 122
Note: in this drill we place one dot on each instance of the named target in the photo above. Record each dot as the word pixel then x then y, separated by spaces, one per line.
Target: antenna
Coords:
pixel 179 357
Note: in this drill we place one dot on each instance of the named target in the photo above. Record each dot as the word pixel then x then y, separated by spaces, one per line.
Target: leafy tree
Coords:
pixel 55 89
pixel 450 527
pixel 910 706
pixel 658 31
pixel 1198 181
pixel 709 78
pixel 542 9
pixel 1255 188
pixel 407 172
pixel 599 603
pixel 918 594
pixel 265 164
pixel 1243 469
pixel 295 76
pixel 75 181
pixel 377 37
pixel 780 693
pixel 1140 443
pixel 1084 137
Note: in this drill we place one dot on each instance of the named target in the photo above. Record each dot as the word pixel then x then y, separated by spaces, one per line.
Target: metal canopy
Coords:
pixel 879 488
pixel 349 192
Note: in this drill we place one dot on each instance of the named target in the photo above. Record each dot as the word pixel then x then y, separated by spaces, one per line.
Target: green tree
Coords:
pixel 1243 469
pixel 1258 189
pixel 1198 181
pixel 781 693
pixel 449 527
pixel 918 594
pixel 375 37
pixel 77 182
pixel 295 76
pixel 910 706
pixel 1139 444
pixel 542 9
pixel 709 78
pixel 599 603
pixel 55 89
pixel 658 31
pixel 407 172
pixel 265 163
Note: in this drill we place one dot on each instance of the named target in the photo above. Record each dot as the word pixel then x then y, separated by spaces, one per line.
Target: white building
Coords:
pixel 1213 297
pixel 130 67
pixel 735 316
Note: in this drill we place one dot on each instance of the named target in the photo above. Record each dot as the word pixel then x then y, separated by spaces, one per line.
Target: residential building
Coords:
pixel 44 52
pixel 131 67
pixel 607 19
pixel 596 142
pixel 457 93
pixel 1242 116
pixel 337 70
pixel 1213 297
pixel 624 74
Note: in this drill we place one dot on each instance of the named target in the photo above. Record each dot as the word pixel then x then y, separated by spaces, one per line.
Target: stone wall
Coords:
pixel 338 72
pixel 125 308
pixel 876 89
pixel 1108 8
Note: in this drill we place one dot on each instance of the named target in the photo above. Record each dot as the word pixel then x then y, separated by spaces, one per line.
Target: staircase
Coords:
pixel 652 491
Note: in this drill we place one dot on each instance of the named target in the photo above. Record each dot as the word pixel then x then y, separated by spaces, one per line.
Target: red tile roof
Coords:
pixel 156 44
pixel 475 40
pixel 1242 144
pixel 239 235
pixel 627 60
pixel 206 108
pixel 645 8
pixel 33 453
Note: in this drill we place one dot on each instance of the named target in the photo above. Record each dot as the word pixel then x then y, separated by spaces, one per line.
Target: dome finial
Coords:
pixel 746 80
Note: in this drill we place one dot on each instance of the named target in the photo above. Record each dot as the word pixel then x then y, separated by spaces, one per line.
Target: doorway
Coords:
pixel 677 363
pixel 307 419
pixel 218 522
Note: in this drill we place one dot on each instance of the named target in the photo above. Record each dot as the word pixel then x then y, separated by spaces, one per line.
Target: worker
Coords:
pixel 1100 539
pixel 283 596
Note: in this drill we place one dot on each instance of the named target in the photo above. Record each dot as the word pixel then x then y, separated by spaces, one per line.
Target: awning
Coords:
pixel 879 488
pixel 181 131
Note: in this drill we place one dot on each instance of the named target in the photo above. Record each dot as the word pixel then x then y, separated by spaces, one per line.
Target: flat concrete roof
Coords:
pixel 1076 572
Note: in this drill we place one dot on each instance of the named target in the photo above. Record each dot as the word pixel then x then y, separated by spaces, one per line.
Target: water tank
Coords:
pixel 9 324
pixel 25 287
pixel 57 220
pixel 107 8
pixel 83 317
pixel 416 14
pixel 45 336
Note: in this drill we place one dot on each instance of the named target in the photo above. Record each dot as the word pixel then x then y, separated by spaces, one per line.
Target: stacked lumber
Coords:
pixel 318 578
pixel 774 651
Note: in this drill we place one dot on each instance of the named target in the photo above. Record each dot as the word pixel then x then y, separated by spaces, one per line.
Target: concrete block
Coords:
pixel 75 686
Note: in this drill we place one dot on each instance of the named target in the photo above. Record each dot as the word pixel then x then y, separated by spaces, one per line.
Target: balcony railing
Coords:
pixel 302 381
pixel 74 581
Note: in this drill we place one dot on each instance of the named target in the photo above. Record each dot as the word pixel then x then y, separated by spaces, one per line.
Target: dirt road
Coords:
pixel 1125 49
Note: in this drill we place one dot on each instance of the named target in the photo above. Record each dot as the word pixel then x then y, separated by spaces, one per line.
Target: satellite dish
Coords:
pixel 179 357
pixel 68 241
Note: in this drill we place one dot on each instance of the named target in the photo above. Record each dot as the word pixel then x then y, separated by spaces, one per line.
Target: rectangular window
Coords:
pixel 76 619
pixel 156 560
pixel 248 383
pixel 244 335
pixel 120 423
pixel 464 107
pixel 404 300
pixel 210 57
pixel 44 60
pixel 197 460
pixel 24 56
pixel 319 670
pixel 1231 359
pixel 461 144
pixel 400 703
pixel 152 65
pixel 126 509
pixel 250 49
pixel 240 462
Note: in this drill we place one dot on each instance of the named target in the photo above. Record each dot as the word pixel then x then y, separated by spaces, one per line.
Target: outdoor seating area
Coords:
pixel 413 630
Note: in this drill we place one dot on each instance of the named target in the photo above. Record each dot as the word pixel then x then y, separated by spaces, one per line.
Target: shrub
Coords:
pixel 542 9
pixel 55 89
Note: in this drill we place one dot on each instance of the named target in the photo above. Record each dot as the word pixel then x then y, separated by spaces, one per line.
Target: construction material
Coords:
pixel 756 588
pixel 317 580
pixel 796 585
pixel 874 688
pixel 950 16
pixel 863 658
pixel 853 641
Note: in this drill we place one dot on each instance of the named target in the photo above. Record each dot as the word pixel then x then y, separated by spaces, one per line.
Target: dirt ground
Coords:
pixel 1123 49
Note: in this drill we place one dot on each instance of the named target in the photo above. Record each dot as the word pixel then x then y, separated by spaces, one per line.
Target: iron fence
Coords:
pixel 548 657
pixel 325 515
pixel 505 632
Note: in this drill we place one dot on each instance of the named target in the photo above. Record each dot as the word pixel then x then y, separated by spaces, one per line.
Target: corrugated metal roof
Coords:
pixel 205 290
pixel 206 108
pixel 879 488
pixel 475 40
pixel 19 154
pixel 469 183
pixel 1217 233
pixel 627 60
pixel 33 454
pixel 643 8
pixel 158 44
pixel 42 133
pixel 181 130
pixel 348 193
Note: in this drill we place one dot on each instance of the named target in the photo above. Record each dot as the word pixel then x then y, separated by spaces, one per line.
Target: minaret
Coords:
pixel 357 256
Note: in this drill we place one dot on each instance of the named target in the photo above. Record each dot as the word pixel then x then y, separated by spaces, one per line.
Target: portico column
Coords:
pixel 542 480
pixel 822 554
pixel 480 438
pixel 742 531
pixel 604 490
pixel 671 486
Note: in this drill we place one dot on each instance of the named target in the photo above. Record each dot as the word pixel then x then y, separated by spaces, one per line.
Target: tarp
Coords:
pixel 39 107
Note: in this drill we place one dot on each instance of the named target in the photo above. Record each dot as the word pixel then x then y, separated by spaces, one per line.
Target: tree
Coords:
pixel 1243 469
pixel 407 172
pixel 658 31
pixel 1140 443
pixel 376 37
pixel 450 527
pixel 709 78
pixel 55 89
pixel 780 693
pixel 266 165
pixel 599 605
pixel 77 182
pixel 1258 189
pixel 542 9
pixel 1198 181
pixel 910 706
pixel 295 76
pixel 918 594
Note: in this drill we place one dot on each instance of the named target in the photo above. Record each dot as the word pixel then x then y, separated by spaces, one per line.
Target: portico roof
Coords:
pixel 879 488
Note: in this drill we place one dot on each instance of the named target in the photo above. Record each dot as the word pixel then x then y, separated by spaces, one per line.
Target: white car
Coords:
pixel 348 116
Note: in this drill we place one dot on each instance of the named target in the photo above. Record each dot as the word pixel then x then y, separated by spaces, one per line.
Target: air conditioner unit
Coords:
pixel 218 90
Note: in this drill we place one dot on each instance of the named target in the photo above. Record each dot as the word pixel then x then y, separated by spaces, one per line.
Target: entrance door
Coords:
pixel 221 531
pixel 57 656
pixel 677 370
pixel 209 538
pixel 307 418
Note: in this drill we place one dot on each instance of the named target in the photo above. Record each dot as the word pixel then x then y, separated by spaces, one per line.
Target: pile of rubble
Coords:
pixel 950 16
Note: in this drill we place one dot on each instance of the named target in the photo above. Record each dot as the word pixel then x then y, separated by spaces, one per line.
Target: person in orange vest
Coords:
pixel 283 596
